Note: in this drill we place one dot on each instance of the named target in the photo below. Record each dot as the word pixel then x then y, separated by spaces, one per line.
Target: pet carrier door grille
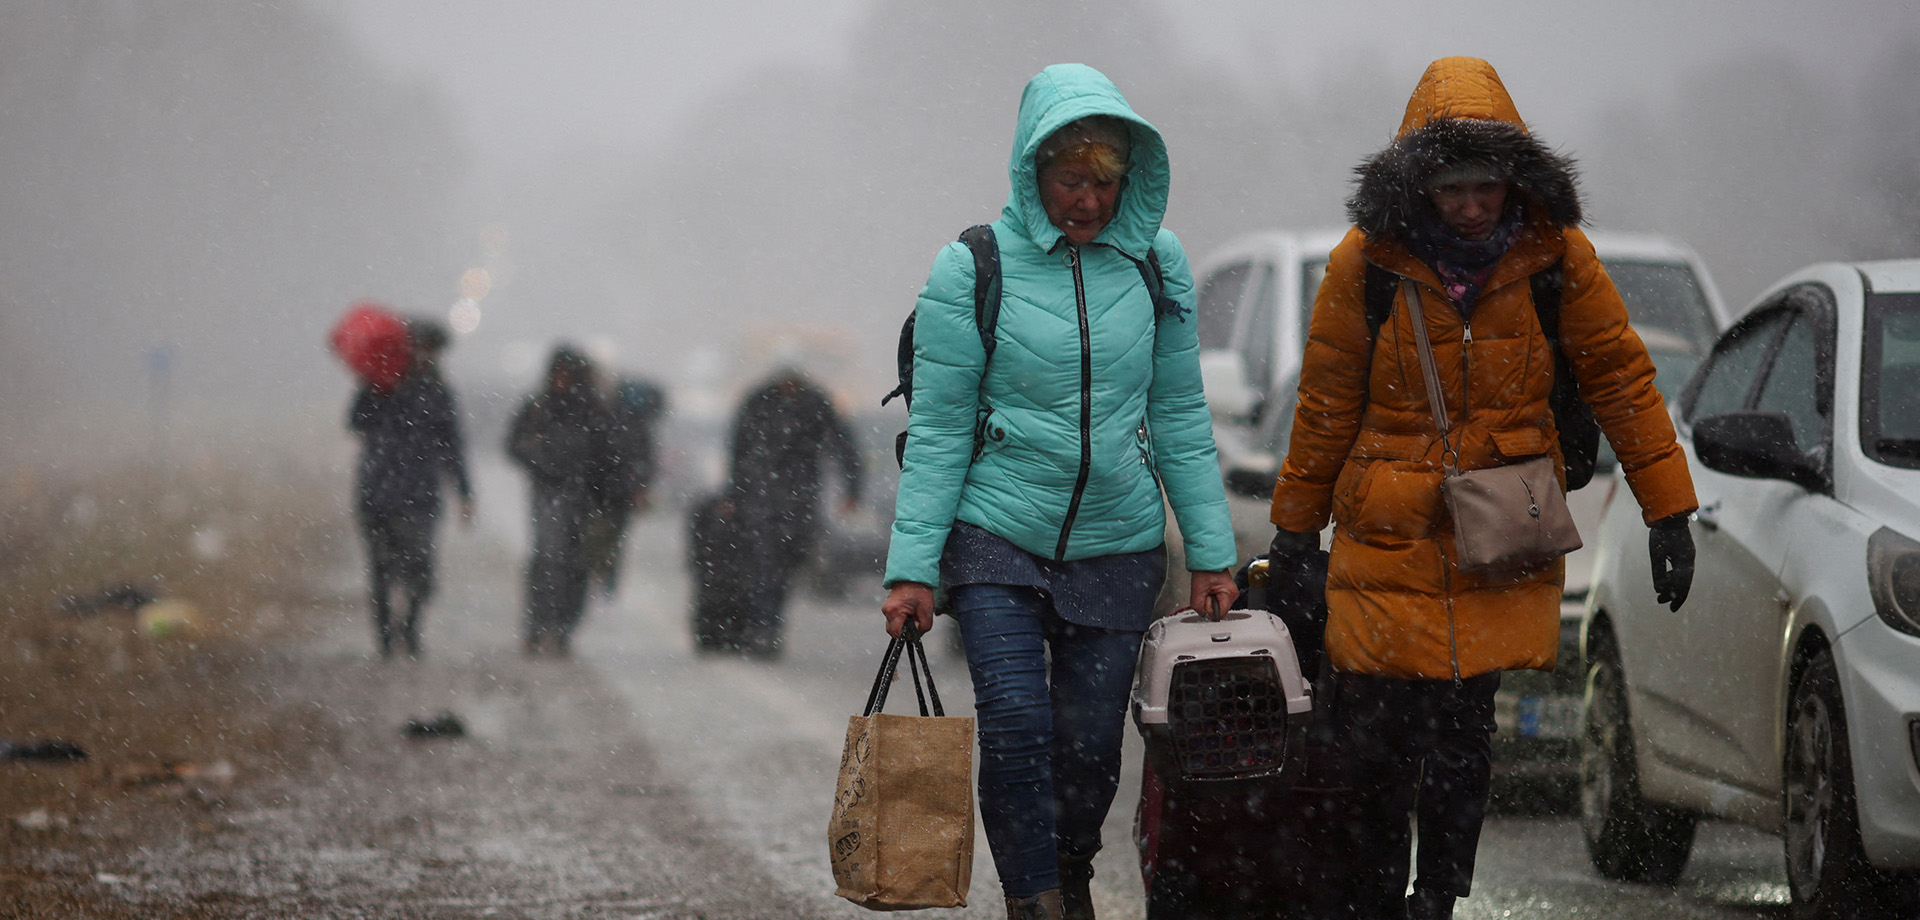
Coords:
pixel 1227 717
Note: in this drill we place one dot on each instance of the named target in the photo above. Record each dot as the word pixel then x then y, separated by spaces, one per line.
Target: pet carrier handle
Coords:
pixel 908 641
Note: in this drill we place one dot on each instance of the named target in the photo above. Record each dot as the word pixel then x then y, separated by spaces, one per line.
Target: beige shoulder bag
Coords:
pixel 1506 519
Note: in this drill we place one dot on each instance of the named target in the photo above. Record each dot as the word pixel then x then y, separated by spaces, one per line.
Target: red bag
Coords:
pixel 373 342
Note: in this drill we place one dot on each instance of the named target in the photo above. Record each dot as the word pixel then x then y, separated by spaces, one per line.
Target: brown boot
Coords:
pixel 1042 906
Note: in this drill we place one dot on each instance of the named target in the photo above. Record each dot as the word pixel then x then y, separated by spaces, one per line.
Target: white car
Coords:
pixel 1785 693
pixel 1256 298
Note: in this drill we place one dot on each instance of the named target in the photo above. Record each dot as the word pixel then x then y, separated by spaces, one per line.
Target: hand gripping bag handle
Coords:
pixel 909 641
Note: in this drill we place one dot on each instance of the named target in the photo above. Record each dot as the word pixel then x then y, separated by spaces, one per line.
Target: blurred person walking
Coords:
pixel 1464 209
pixel 620 481
pixel 409 441
pixel 784 430
pixel 1032 483
pixel 560 436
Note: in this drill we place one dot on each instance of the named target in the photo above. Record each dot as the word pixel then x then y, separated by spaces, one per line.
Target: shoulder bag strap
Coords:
pixel 1427 371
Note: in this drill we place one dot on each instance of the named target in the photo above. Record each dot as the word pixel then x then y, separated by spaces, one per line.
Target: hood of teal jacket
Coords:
pixel 1056 97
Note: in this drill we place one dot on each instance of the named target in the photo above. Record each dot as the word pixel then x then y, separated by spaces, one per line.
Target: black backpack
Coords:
pixel 986 317
pixel 1579 433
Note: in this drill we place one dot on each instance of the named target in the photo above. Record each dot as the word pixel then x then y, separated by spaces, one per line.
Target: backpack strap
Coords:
pixel 986 282
pixel 1546 285
pixel 1579 433
pixel 1380 287
pixel 1156 280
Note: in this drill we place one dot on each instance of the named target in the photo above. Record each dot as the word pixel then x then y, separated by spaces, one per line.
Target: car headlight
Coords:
pixel 1893 577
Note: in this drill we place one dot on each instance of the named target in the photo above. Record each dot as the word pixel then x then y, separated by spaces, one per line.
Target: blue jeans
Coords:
pixel 1049 743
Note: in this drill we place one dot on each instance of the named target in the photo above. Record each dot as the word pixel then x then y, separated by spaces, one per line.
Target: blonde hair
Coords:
pixel 1105 163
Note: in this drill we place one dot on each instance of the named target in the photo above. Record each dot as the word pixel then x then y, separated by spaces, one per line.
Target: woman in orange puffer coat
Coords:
pixel 1467 205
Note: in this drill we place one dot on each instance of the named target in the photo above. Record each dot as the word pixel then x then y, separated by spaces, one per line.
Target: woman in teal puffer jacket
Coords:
pixel 1033 484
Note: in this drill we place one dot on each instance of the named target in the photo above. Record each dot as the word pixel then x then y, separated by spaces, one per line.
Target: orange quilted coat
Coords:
pixel 1365 451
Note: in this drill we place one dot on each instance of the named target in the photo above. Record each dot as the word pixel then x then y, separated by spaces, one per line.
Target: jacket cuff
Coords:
pixel 1663 488
pixel 913 554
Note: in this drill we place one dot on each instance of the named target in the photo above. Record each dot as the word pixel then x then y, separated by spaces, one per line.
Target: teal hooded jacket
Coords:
pixel 1092 403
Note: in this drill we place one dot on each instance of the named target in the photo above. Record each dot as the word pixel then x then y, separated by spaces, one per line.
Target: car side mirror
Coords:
pixel 1252 480
pixel 1755 444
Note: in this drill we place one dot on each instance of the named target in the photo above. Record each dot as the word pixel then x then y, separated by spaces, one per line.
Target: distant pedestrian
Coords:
pixel 620 481
pixel 409 441
pixel 559 435
pixel 783 432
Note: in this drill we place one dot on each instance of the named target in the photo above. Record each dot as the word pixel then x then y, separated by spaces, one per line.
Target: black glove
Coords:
pixel 1297 573
pixel 1297 592
pixel 1286 543
pixel 1670 545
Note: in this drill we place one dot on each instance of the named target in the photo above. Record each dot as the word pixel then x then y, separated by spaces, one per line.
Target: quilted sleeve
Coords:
pixel 1183 448
pixel 1333 394
pixel 948 361
pixel 1616 379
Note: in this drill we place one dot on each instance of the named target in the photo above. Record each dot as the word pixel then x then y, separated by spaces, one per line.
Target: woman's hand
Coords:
pixel 912 599
pixel 1213 593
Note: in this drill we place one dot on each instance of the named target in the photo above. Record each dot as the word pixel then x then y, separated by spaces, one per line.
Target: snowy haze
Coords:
pixel 693 190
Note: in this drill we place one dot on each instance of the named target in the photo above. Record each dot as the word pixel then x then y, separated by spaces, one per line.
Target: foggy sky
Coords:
pixel 529 76
pixel 543 85
pixel 694 189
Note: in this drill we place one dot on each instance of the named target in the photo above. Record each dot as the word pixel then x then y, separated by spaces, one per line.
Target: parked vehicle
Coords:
pixel 1256 298
pixel 1786 692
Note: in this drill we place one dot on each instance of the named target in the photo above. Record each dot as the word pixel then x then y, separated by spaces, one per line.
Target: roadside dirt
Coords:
pixel 253 765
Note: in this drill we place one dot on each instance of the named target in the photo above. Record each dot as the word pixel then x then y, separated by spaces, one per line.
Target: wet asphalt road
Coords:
pixel 755 747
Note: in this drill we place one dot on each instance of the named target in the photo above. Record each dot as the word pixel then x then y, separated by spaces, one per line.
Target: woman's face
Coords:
pixel 1077 203
pixel 1471 209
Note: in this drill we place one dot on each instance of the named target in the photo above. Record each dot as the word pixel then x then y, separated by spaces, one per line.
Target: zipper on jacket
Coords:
pixel 1453 640
pixel 1466 408
pixel 1086 403
pixel 1466 378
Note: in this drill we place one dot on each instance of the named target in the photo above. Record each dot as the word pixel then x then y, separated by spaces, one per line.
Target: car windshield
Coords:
pixel 1890 380
pixel 1666 306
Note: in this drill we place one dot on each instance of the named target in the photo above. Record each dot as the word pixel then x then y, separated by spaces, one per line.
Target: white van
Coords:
pixel 1256 298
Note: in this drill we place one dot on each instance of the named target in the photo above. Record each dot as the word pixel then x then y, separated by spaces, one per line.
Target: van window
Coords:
pixel 1312 272
pixel 1220 303
pixel 1262 329
pixel 1664 297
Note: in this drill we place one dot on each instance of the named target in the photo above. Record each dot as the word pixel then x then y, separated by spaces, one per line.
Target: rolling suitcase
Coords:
pixel 1242 797
pixel 716 552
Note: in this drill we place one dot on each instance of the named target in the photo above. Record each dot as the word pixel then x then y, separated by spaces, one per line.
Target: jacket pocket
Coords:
pixel 1386 445
pixel 1143 440
pixel 990 434
pixel 1520 443
pixel 1390 502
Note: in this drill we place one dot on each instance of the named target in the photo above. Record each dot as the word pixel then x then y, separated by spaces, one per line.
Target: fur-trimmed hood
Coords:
pixel 1460 113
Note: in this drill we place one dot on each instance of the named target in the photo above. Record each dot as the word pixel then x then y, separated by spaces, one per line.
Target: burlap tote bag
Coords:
pixel 1510 518
pixel 901 835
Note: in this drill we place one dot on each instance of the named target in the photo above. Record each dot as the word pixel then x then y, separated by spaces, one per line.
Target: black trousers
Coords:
pixel 1420 748
pixel 399 556
pixel 557 569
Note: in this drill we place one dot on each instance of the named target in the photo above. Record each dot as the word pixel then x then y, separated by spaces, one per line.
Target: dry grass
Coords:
pixel 241 545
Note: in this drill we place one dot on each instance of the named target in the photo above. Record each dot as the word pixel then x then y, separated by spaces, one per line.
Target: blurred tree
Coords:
pixel 220 177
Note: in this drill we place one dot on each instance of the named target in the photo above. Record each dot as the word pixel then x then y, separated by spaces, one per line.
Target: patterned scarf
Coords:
pixel 1464 266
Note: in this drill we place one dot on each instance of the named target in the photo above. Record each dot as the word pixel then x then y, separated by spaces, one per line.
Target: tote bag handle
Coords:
pixel 909 641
